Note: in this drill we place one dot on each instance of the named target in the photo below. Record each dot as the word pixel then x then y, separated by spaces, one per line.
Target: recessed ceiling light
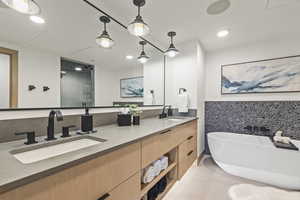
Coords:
pixel 78 69
pixel 37 19
pixel 129 57
pixel 223 33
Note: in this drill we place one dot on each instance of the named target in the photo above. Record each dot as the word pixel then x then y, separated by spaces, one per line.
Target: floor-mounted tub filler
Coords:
pixel 256 158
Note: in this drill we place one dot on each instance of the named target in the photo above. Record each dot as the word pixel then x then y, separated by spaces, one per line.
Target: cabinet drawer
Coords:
pixel 156 146
pixel 86 181
pixel 129 190
pixel 187 130
pixel 186 163
pixel 186 147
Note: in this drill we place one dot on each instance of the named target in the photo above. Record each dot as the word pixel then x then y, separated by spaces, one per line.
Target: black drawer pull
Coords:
pixel 105 196
pixel 164 132
pixel 190 153
pixel 191 137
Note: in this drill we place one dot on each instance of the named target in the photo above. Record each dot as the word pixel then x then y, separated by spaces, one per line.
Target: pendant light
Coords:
pixel 29 7
pixel 104 40
pixel 172 51
pixel 138 27
pixel 143 58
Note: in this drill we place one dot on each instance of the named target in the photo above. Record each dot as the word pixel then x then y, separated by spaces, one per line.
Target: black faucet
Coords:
pixel 50 128
pixel 164 114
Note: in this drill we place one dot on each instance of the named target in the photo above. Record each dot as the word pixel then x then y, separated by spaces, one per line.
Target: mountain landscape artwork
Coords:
pixel 266 76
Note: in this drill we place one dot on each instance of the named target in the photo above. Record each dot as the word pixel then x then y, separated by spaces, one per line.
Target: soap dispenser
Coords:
pixel 87 123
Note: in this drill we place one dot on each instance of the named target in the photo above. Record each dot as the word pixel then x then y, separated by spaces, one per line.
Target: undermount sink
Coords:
pixel 49 150
pixel 175 119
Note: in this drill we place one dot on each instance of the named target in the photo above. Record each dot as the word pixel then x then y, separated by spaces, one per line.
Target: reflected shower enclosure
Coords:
pixel 77 84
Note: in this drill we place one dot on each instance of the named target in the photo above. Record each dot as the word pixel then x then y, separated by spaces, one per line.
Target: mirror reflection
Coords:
pixel 62 63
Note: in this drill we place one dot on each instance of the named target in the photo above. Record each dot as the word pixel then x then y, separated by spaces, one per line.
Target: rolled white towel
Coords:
pixel 285 140
pixel 279 133
pixel 149 174
pixel 157 167
pixel 164 162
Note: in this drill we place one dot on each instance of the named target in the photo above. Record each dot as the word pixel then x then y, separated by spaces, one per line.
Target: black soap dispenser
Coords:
pixel 87 122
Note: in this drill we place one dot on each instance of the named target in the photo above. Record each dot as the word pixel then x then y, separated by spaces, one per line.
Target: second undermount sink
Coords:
pixel 175 119
pixel 49 150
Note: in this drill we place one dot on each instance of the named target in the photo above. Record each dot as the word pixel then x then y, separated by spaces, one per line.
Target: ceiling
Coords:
pixel 72 26
pixel 70 31
pixel 248 20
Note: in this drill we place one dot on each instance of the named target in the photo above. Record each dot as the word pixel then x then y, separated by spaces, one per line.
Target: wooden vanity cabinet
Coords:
pixel 86 181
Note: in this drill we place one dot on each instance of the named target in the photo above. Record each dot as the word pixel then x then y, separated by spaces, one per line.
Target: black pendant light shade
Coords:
pixel 104 40
pixel 143 58
pixel 138 27
pixel 172 51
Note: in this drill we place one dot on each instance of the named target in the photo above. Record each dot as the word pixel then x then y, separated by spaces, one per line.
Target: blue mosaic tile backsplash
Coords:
pixel 234 116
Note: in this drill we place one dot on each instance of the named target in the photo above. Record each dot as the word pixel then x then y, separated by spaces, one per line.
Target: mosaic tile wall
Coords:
pixel 234 116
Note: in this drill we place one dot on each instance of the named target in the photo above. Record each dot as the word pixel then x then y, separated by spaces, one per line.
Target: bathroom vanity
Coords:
pixel 109 170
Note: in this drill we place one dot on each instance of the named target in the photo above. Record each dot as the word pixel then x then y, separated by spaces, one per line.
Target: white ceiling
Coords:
pixel 72 26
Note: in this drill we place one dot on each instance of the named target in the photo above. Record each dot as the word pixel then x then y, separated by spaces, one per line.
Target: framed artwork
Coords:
pixel 278 75
pixel 132 87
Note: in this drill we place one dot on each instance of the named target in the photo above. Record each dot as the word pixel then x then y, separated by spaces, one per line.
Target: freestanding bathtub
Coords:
pixel 256 158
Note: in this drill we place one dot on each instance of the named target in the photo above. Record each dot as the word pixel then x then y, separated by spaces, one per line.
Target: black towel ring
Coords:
pixel 182 90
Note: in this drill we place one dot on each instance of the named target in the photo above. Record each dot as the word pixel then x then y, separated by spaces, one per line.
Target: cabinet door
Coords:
pixel 187 154
pixel 186 147
pixel 129 190
pixel 86 181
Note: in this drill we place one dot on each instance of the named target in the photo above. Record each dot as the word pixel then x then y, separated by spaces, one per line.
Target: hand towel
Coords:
pixel 183 102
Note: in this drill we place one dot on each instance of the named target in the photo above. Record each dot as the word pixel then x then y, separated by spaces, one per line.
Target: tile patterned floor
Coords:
pixel 205 182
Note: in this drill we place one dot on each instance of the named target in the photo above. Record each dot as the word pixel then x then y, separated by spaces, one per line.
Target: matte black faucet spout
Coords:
pixel 50 128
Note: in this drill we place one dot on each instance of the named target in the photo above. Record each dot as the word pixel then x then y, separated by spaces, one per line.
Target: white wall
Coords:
pixel 182 72
pixel 39 68
pixel 4 80
pixel 187 70
pixel 257 51
pixel 154 79
pixel 107 84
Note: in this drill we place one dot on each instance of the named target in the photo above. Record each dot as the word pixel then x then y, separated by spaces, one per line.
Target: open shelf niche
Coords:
pixel 170 172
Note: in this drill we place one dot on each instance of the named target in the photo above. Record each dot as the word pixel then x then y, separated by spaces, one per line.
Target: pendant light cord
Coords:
pixel 139 10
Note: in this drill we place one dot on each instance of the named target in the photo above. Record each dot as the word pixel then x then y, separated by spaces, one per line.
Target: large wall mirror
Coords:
pixel 59 64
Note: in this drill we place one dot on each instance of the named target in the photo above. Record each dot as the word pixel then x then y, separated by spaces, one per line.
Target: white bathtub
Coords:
pixel 256 158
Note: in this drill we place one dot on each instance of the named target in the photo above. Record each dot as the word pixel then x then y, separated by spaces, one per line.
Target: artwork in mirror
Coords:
pixel 41 61
pixel 132 87
pixel 264 76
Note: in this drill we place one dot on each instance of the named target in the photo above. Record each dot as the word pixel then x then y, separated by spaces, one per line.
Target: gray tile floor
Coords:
pixel 205 182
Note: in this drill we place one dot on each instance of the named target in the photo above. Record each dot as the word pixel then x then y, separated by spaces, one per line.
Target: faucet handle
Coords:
pixel 249 128
pixel 66 131
pixel 30 137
